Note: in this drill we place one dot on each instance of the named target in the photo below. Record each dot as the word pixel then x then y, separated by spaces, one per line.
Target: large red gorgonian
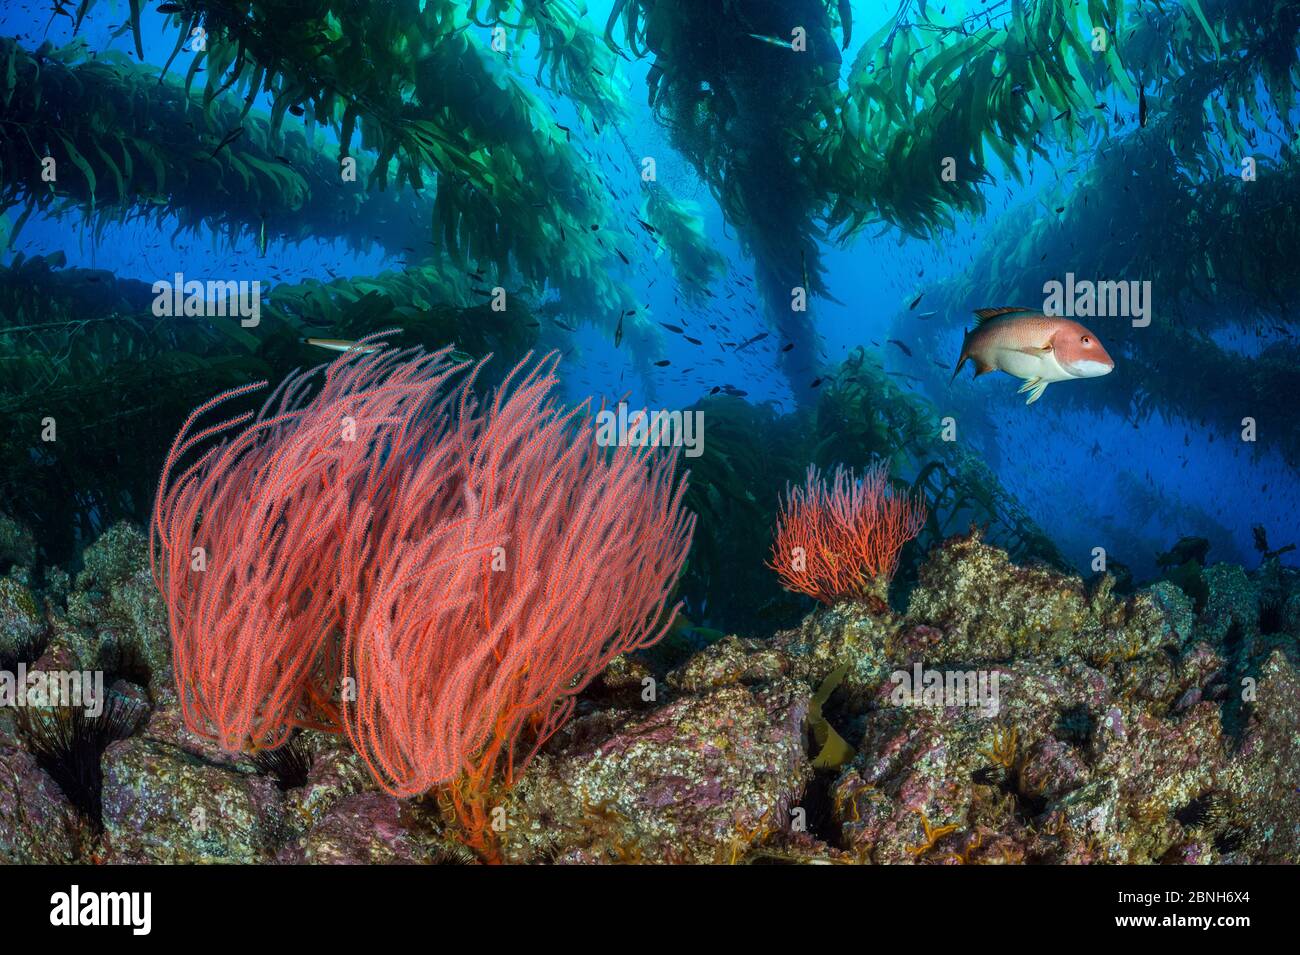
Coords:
pixel 435 576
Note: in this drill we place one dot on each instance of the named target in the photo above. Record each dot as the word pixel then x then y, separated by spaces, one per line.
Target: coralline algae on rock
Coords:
pixel 701 779
pixel 37 823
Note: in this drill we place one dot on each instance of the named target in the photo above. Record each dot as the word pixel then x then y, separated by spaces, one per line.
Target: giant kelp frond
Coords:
pixel 426 303
pixel 935 91
pixel 572 59
pixel 679 231
pixel 941 89
pixel 922 94
pixel 126 145
pixel 741 107
pixel 417 87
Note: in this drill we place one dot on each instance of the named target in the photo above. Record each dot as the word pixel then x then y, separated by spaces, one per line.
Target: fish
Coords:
pixel 341 344
pixel 1039 349
pixel 229 138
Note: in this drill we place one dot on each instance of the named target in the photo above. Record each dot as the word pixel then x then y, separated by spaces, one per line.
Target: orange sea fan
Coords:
pixel 842 541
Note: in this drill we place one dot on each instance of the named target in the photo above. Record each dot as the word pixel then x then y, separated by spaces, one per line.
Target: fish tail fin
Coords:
pixel 962 358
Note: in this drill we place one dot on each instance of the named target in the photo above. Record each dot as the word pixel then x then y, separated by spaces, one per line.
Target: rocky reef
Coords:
pixel 1161 726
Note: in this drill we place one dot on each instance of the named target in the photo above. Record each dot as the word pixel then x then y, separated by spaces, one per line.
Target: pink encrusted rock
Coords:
pixel 1053 768
pixel 164 804
pixel 1268 792
pixel 369 828
pixel 167 726
pixel 336 772
pixel 36 820
pixel 699 780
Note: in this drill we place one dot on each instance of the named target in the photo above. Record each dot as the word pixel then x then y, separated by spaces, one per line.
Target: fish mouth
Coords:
pixel 1091 369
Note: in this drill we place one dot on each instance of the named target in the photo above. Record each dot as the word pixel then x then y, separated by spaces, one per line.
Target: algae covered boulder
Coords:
pixel 21 623
pixel 701 779
pixel 164 804
pixel 38 825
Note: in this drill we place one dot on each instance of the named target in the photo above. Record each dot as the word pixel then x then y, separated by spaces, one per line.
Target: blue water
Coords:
pixel 1089 479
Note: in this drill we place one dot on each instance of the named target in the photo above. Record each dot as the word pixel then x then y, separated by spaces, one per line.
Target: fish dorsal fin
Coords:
pixel 983 315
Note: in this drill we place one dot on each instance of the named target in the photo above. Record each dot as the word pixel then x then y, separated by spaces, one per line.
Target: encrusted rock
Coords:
pixel 1162 726
pixel 336 774
pixel 699 780
pixel 1267 783
pixel 1232 604
pixel 17 545
pixel 20 619
pixel 163 804
pixel 371 828
pixel 117 555
pixel 115 617
pixel 36 821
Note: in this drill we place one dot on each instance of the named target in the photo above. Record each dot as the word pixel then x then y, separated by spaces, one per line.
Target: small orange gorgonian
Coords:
pixel 841 542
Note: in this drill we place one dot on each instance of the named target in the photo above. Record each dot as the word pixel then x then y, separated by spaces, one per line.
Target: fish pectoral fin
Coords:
pixel 1035 350
pixel 1035 387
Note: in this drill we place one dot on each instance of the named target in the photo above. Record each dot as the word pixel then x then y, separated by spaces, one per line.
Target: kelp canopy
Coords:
pixel 84 354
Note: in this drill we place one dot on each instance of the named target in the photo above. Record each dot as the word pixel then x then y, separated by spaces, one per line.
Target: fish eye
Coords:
pixel 1087 340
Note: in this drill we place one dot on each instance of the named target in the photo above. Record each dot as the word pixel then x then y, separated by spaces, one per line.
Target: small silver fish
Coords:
pixel 341 344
